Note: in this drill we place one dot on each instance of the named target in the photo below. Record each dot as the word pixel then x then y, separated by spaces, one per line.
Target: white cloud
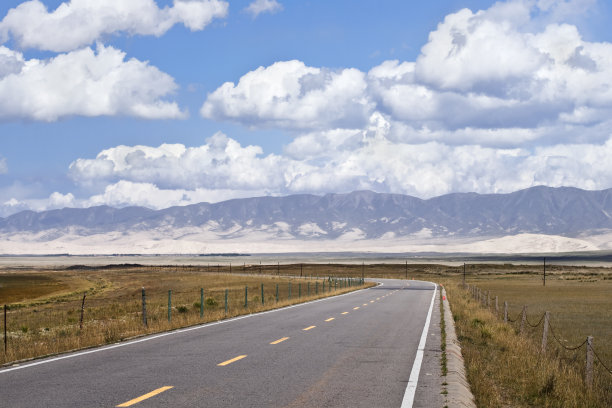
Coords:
pixel 263 6
pixel 220 164
pixel 290 94
pixel 127 193
pixel 340 162
pixel 77 23
pixel 499 77
pixel 83 82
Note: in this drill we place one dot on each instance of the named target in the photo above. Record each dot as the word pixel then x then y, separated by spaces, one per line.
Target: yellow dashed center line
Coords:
pixel 233 360
pixel 344 313
pixel 355 308
pixel 330 319
pixel 308 328
pixel 280 340
pixel 144 397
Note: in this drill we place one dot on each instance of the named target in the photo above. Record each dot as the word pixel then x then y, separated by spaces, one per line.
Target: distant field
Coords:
pixel 45 305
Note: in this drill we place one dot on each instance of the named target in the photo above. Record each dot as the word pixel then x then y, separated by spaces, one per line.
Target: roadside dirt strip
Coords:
pixel 459 394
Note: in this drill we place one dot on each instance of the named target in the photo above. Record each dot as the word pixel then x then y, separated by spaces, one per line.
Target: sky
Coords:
pixel 159 103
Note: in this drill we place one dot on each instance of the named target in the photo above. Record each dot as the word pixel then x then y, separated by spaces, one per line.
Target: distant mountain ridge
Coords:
pixel 561 211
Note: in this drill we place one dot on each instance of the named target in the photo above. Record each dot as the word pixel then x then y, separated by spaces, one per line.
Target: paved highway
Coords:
pixel 354 350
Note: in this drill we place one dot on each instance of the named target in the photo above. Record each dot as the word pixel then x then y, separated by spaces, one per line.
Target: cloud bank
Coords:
pixel 491 77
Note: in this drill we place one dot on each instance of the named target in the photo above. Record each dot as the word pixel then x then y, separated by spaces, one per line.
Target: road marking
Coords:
pixel 175 332
pixel 371 301
pixel 330 319
pixel 365 304
pixel 309 327
pixel 280 340
pixel 377 298
pixel 416 366
pixel 355 308
pixel 233 360
pixel 146 396
pixel 344 313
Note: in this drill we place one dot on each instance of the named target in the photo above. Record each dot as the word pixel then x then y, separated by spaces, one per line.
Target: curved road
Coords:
pixel 354 350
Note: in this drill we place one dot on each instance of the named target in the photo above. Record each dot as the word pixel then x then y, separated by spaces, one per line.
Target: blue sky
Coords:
pixel 420 98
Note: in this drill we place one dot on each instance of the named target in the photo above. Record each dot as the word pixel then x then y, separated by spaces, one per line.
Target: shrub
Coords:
pixel 211 302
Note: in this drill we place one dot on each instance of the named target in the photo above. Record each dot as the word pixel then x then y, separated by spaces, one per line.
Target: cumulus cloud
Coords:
pixel 85 82
pixel 263 6
pixel 221 163
pixel 339 161
pixel 289 94
pixel 482 77
pixel 77 23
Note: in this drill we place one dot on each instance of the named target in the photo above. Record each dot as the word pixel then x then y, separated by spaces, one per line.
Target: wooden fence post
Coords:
pixel 505 311
pixel 226 293
pixel 5 338
pixel 545 332
pixel 82 311
pixel 201 303
pixel 170 305
pixel 144 308
pixel 496 305
pixel 523 319
pixel 589 362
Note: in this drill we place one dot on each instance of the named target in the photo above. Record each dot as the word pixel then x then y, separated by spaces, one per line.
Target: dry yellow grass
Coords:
pixel 506 368
pixel 43 321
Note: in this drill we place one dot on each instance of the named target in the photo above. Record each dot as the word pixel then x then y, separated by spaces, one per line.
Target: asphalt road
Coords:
pixel 355 350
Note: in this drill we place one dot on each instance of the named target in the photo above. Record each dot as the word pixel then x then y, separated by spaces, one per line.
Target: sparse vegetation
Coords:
pixel 46 321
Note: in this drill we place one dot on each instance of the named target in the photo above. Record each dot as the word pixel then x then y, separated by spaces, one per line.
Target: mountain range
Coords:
pixel 332 221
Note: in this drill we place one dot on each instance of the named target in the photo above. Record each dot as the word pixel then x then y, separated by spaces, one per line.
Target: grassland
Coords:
pixel 505 368
pixel 45 306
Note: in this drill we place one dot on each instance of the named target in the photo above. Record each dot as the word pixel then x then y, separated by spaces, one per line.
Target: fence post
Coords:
pixel 289 290
pixel 301 268
pixel 262 295
pixel 226 293
pixel 323 285
pixel 523 319
pixel 299 290
pixel 82 311
pixel 170 305
pixel 505 311
pixel 317 288
pixel 308 289
pixel 144 308
pixel 277 293
pixel 496 305
pixel 488 299
pixel 545 332
pixel 246 296
pixel 201 303
pixel 589 362
pixel 5 338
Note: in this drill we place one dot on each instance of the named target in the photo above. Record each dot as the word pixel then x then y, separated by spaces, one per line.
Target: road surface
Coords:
pixel 354 350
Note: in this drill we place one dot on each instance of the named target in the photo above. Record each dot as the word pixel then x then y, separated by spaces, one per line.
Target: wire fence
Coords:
pixel 88 319
pixel 591 354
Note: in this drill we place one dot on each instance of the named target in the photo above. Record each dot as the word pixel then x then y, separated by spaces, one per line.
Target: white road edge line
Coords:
pixel 170 333
pixel 416 366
